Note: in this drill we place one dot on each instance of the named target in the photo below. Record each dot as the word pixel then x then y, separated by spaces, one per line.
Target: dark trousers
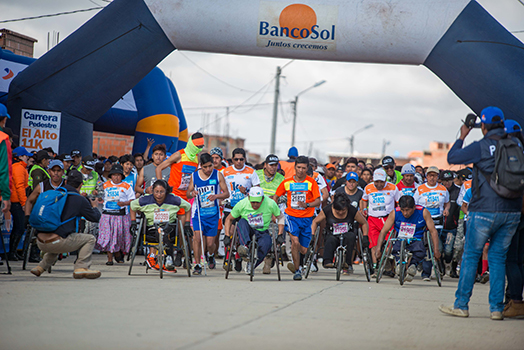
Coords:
pixel 514 263
pixel 331 243
pixel 18 226
pixel 264 241
pixel 416 248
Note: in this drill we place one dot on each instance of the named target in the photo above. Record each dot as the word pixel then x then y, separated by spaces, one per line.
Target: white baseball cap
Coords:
pixel 256 194
pixel 379 175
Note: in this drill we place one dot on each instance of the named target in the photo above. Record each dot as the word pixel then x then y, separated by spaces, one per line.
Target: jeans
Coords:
pixel 447 238
pixel 514 261
pixel 416 248
pixel 499 228
pixel 264 241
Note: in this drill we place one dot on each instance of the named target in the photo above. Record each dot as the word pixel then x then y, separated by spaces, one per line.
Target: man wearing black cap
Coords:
pixel 38 172
pixel 394 176
pixel 65 239
pixel 90 176
pixel 67 160
pixel 77 159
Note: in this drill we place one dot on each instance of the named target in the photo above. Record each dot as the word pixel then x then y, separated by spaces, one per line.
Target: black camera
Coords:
pixel 471 121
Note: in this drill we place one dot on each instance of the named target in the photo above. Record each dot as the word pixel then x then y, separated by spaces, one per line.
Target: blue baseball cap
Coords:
pixel 511 126
pixel 21 151
pixel 3 111
pixel 55 162
pixel 293 152
pixel 492 115
pixel 352 176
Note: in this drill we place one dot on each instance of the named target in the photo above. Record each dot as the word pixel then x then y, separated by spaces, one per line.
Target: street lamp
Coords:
pixel 352 138
pixel 295 109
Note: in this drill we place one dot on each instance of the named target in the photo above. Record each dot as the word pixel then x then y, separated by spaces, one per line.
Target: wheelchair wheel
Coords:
pixel 160 252
pixel 229 251
pixel 340 262
pixel 136 239
pixel 366 257
pixel 276 253
pixel 436 269
pixel 402 262
pixel 253 258
pixel 187 254
pixel 384 257
pixel 30 234
pixel 310 254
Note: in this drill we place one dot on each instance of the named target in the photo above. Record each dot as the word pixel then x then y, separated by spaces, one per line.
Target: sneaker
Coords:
pixel 374 275
pixel 238 265
pixel 484 278
pixel 243 251
pixel 169 263
pixel 349 270
pixel 314 267
pixel 389 273
pixel 224 266
pixel 152 263
pixel 328 265
pixel 211 262
pixel 247 269
pixel 497 316
pixel 512 309
pixel 357 261
pixel 197 270
pixel 450 310
pixel 345 272
pixel 267 265
pixel 426 278
pixel 86 273
pixel 291 267
pixel 178 259
pixel 453 274
pixel 37 271
pixel 412 271
pixel 297 276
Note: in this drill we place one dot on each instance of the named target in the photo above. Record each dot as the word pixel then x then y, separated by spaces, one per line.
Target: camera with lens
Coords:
pixel 471 120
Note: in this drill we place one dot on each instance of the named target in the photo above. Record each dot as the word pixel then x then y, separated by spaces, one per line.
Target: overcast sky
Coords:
pixel 408 105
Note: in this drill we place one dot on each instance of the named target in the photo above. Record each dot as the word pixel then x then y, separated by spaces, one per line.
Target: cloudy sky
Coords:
pixel 407 105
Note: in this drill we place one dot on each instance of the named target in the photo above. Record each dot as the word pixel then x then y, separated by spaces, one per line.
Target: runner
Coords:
pixel 449 231
pixel 127 162
pixel 218 164
pixel 435 198
pixel 410 221
pixel 209 187
pixel 377 202
pixel 65 239
pixel 351 189
pixel 407 185
pixel 303 196
pixel 147 175
pixel 394 176
pixel 289 165
pixel 330 175
pixel 270 179
pixel 218 157
pixel 161 199
pixel 255 213
pixel 340 217
pixel 183 163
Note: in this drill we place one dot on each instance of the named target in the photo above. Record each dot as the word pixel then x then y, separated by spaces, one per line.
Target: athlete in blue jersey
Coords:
pixel 410 222
pixel 208 187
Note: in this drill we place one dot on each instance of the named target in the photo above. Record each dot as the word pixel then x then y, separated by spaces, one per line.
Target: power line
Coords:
pixel 223 107
pixel 52 15
pixel 213 76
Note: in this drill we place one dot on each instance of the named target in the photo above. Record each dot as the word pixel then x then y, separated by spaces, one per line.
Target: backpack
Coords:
pixel 507 179
pixel 47 212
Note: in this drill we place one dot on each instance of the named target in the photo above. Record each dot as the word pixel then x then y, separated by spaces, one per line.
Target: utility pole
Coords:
pixel 385 143
pixel 275 112
pixel 294 120
pixel 227 132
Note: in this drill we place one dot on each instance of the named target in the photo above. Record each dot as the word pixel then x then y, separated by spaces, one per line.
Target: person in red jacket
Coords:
pixel 19 184
pixel 5 162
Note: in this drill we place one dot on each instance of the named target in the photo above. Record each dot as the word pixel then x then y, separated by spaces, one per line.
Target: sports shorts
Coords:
pixel 299 227
pixel 375 226
pixel 209 224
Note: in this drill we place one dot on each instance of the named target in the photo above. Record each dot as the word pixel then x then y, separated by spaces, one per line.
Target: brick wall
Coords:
pixel 106 144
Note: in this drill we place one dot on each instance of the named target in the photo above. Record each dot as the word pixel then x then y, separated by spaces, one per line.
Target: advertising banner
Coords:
pixel 40 129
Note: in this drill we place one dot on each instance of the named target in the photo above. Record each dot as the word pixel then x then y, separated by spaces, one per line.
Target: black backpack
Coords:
pixel 507 178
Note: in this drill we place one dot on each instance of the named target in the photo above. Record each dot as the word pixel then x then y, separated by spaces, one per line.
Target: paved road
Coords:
pixel 141 311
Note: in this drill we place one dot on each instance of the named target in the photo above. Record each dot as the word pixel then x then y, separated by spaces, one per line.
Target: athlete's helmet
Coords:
pixel 408 169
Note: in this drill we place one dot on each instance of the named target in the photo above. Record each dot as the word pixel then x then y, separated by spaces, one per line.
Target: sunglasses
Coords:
pixel 388 167
pixel 238 159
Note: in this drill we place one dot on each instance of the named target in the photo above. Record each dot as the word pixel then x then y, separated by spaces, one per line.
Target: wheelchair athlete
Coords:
pixel 409 221
pixel 162 198
pixel 339 217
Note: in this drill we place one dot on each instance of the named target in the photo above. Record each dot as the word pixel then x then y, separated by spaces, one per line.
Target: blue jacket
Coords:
pixel 482 154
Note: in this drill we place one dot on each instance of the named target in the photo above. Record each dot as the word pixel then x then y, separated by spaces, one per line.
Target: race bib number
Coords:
pixel 378 203
pixel 255 220
pixel 407 230
pixel 340 228
pixel 160 216
pixel 297 197
pixel 187 171
pixel 204 197
pixel 112 196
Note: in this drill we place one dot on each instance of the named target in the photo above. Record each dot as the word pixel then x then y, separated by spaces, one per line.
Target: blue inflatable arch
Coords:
pixel 88 72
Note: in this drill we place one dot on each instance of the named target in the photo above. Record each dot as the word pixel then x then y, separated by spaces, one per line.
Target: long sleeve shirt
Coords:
pixel 5 166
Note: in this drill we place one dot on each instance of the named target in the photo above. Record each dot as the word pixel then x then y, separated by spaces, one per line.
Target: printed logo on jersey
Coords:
pixel 297 26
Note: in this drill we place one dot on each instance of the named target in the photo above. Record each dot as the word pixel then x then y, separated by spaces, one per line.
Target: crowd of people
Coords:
pixel 292 200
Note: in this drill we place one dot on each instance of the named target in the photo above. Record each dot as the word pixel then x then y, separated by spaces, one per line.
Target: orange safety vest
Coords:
pixel 180 175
